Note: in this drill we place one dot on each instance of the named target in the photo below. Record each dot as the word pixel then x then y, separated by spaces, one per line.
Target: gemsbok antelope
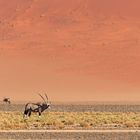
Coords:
pixel 37 107
pixel 6 100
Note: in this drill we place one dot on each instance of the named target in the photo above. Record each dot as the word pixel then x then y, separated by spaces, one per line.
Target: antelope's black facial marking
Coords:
pixel 44 107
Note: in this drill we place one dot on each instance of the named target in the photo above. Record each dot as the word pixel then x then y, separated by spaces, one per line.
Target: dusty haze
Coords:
pixel 76 50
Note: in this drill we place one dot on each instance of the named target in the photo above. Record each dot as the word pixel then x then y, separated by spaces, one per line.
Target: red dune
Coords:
pixel 76 50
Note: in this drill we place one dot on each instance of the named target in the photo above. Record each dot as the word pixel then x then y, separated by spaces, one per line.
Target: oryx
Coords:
pixel 37 107
pixel 6 100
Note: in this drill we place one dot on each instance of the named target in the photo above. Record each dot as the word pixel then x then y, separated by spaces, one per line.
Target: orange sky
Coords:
pixel 76 50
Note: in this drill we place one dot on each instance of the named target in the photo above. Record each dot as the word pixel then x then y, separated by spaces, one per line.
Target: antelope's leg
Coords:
pixel 25 112
pixel 39 112
pixel 29 114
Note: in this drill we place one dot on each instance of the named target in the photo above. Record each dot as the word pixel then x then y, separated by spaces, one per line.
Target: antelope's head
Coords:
pixel 46 103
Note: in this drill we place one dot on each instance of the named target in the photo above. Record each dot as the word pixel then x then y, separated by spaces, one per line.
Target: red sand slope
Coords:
pixel 75 49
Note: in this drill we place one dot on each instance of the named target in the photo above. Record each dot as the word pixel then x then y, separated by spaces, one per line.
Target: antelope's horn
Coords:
pixel 46 97
pixel 42 97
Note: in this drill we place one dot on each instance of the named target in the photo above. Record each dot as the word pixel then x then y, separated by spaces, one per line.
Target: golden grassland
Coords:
pixel 70 120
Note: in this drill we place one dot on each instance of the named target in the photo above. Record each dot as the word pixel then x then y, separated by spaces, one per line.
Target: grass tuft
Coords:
pixel 70 120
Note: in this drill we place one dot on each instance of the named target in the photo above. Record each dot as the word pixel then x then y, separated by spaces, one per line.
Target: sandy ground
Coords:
pixel 72 134
pixel 79 107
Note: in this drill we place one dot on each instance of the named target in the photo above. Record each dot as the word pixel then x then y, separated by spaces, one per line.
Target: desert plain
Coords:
pixel 72 121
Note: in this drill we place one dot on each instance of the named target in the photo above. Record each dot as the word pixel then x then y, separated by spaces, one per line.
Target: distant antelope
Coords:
pixel 36 107
pixel 7 100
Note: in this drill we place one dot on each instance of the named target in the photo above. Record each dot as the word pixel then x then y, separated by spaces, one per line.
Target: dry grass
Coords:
pixel 70 120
